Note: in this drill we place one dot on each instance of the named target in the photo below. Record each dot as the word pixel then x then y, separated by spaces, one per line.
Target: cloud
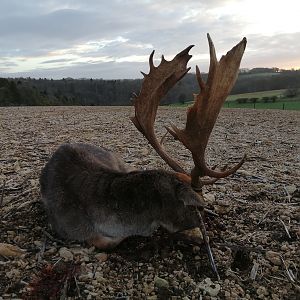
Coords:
pixel 74 37
pixel 60 60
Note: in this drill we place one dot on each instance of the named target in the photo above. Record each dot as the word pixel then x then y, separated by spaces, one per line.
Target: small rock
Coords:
pixel 210 288
pixel 209 197
pixel 101 257
pixel 78 251
pixel 221 188
pixel 51 251
pixel 11 232
pixel 244 172
pixel 10 250
pixel 273 257
pixel 84 278
pixel 90 250
pixel 148 289
pixel 188 279
pixel 86 258
pixel 291 189
pixel 65 253
pixel 179 255
pixel 160 282
pixel 194 234
pixel 262 291
pixel 222 209
pixel 13 274
pixel 145 151
pixel 38 243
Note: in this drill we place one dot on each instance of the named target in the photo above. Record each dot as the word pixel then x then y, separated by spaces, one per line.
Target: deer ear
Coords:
pixel 189 197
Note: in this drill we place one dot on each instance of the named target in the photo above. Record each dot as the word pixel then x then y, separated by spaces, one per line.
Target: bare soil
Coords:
pixel 255 238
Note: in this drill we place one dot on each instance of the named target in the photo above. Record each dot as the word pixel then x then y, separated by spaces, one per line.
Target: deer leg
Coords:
pixel 104 242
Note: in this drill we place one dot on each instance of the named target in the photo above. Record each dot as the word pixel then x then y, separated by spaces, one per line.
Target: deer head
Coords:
pixel 201 117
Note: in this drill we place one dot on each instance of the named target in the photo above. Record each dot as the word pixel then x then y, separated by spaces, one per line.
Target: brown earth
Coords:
pixel 255 238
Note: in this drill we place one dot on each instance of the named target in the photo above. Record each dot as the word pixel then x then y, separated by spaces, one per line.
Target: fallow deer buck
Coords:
pixel 91 195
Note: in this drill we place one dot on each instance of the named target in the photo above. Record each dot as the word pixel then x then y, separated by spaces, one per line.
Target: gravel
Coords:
pixel 255 239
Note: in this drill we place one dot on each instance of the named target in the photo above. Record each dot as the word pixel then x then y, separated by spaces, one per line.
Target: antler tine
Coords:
pixel 151 64
pixel 199 79
pixel 155 85
pixel 202 116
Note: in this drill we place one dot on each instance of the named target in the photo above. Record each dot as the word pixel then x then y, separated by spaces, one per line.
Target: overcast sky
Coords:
pixel 113 39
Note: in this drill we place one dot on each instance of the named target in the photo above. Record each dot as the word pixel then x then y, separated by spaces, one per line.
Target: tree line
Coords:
pixel 68 91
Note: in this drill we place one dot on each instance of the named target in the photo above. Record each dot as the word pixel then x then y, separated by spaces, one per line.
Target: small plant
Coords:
pixel 253 100
pixel 265 99
pixel 273 98
pixel 291 92
pixel 53 282
pixel 241 100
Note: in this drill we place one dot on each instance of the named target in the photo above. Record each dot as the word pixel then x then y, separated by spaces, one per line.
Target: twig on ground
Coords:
pixel 2 193
pixel 254 270
pixel 206 242
pixel 210 212
pixel 18 198
pixel 264 216
pixel 285 228
pixel 48 235
pixel 287 194
pixel 64 289
pixel 235 275
pixel 278 278
pixel 77 287
pixel 60 259
pixel 288 272
pixel 42 251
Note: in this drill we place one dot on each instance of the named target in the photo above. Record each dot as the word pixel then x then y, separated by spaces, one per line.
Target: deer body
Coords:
pixel 91 195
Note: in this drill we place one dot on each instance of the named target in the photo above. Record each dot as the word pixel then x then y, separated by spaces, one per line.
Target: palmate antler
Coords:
pixel 201 117
pixel 155 86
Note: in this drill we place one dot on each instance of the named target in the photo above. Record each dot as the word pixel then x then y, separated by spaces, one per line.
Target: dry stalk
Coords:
pixel 287 194
pixel 254 271
pixel 285 228
pixel 2 193
pixel 207 245
pixel 288 272
pixel 264 216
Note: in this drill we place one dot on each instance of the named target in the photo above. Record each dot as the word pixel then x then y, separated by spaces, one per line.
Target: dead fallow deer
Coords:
pixel 91 195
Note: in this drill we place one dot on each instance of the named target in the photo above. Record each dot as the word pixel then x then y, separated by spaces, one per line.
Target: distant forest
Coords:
pixel 68 91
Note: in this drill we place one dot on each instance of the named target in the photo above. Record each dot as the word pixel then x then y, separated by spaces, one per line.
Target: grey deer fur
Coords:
pixel 91 195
